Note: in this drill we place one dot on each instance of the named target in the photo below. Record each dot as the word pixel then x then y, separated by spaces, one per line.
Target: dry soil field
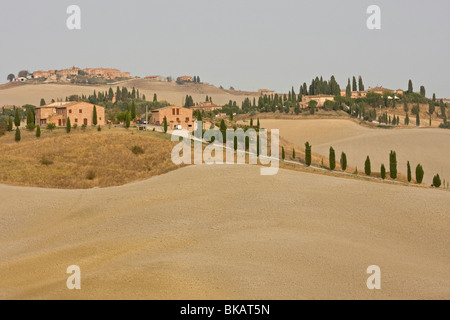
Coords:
pixel 211 232
pixel 430 147
pixel 173 93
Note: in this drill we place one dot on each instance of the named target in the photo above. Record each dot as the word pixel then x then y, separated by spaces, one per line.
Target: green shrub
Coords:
pixel 437 181
pixel 91 175
pixel 409 172
pixel 18 136
pixel 368 167
pixel 343 161
pixel 308 155
pixel 332 159
pixel 393 165
pixel 38 131
pixel 51 126
pixel 46 162
pixel 419 174
pixel 383 172
pixel 137 150
pixel 3 127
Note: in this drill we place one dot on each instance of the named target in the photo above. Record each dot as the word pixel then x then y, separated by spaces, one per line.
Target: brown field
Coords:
pixel 175 94
pixel 291 236
pixel 426 146
pixel 83 159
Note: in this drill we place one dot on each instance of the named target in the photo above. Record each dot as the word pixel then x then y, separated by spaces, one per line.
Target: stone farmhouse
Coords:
pixel 80 113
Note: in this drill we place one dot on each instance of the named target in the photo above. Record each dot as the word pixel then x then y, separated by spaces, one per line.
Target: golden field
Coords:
pixel 225 232
pixel 83 159
pixel 428 147
pixel 175 94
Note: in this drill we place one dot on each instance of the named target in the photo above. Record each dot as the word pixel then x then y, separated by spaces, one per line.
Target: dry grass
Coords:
pixel 82 160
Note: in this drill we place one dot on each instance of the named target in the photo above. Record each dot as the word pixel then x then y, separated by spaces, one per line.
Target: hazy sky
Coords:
pixel 248 44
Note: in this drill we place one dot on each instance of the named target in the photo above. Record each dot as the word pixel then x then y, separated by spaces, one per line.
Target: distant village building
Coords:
pixel 355 94
pixel 321 99
pixel 12 108
pixel 72 72
pixel 380 90
pixel 156 78
pixel 377 90
pixel 20 79
pixel 266 92
pixel 177 118
pixel 106 73
pixel 206 106
pixel 41 74
pixel 184 79
pixel 80 113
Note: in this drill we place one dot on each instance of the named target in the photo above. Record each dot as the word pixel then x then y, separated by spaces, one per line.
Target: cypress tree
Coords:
pixel 407 120
pixel 258 125
pixel 165 124
pixel 368 167
pixel 308 156
pixel 419 173
pixel 223 130
pixel 422 91
pixel 355 87
pixel 155 98
pixel 251 123
pixel 293 154
pixel 10 124
pixel 332 159
pixel 283 155
pixel 393 165
pixel 348 90
pixel 383 172
pixel 133 110
pixel 418 120
pixel 361 84
pixel 343 161
pixel 42 103
pixel 231 115
pixel 409 172
pixel 410 87
pixel 94 116
pixel 38 131
pixel 437 181
pixel 30 119
pixel 17 137
pixel 68 126
pixel 128 120
pixel 16 118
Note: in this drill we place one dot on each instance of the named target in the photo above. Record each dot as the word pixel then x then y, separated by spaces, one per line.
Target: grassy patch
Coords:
pixel 83 159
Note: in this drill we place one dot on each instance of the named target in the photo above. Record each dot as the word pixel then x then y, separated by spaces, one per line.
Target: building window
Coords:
pixel 76 120
pixel 100 118
pixel 187 119
pixel 178 112
pixel 70 110
pixel 173 112
pixel 81 111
